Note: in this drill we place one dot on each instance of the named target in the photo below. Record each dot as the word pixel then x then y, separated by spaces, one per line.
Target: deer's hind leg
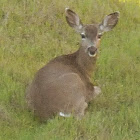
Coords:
pixel 80 109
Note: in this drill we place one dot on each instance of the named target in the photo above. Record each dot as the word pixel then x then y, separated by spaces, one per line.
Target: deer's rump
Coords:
pixel 55 91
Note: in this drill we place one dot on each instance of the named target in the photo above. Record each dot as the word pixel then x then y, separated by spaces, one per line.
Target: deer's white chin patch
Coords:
pixel 92 55
pixel 64 114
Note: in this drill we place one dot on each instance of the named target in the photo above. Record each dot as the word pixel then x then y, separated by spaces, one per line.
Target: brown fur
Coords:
pixel 63 85
pixel 60 86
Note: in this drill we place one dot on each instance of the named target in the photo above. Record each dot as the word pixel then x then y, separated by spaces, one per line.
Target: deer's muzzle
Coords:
pixel 92 51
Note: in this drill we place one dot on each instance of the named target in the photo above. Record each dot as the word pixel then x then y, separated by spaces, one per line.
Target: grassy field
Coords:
pixel 33 32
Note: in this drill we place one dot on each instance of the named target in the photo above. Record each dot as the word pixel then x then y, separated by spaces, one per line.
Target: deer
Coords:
pixel 63 86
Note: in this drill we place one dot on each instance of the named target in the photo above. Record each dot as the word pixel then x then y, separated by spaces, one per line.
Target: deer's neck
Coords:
pixel 85 62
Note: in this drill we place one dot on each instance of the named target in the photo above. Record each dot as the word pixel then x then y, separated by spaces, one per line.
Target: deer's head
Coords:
pixel 91 33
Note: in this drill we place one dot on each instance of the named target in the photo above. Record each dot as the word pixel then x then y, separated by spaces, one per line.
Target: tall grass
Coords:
pixel 33 32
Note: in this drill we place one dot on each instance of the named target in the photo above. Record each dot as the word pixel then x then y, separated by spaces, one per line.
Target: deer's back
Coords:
pixel 56 87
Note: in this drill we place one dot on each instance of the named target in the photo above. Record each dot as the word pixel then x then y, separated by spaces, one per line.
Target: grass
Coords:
pixel 33 32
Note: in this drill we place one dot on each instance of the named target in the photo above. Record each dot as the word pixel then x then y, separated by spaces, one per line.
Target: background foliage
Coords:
pixel 33 32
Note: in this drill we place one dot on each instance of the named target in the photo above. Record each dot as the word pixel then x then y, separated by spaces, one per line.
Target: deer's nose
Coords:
pixel 92 50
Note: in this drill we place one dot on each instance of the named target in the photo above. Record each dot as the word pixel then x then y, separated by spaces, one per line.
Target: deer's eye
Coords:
pixel 83 36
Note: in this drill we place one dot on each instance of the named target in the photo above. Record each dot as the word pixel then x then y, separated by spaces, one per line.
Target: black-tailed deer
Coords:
pixel 63 86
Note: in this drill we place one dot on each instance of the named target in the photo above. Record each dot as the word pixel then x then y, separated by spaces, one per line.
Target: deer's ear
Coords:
pixel 109 22
pixel 73 20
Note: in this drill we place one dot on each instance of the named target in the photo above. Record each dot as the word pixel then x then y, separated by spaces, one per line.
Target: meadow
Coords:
pixel 34 32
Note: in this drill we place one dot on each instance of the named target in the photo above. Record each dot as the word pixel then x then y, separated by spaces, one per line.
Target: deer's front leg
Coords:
pixel 92 91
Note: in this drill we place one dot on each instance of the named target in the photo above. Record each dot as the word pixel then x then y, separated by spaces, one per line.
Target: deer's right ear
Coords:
pixel 109 22
pixel 73 20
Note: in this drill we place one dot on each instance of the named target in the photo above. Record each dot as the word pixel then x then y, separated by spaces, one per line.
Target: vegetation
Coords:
pixel 33 32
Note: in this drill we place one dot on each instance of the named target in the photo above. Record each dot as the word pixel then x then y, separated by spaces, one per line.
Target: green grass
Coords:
pixel 33 32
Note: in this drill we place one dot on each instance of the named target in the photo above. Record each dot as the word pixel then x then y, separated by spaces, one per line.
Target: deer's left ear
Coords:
pixel 73 20
pixel 109 22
